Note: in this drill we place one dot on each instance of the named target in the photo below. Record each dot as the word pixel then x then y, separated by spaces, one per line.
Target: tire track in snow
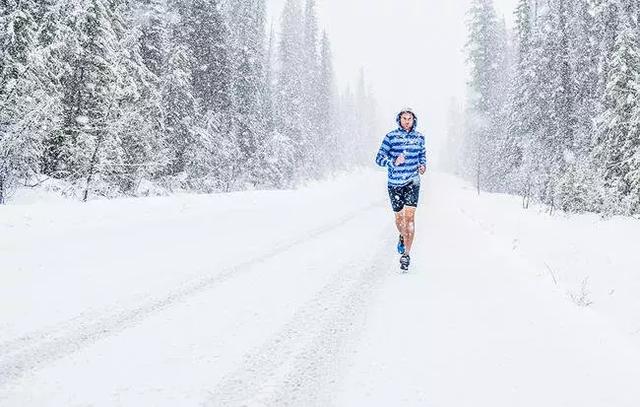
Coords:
pixel 298 365
pixel 30 352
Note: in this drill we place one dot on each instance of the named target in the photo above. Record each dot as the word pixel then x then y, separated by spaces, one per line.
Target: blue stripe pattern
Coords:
pixel 409 143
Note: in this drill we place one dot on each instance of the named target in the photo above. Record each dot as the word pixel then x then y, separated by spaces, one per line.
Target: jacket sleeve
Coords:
pixel 383 159
pixel 423 152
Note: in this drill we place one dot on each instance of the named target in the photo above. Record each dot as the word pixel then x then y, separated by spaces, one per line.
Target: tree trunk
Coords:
pixel 526 197
pixel 92 165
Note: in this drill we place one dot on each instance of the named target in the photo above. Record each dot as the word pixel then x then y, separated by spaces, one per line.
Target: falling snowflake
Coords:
pixel 82 120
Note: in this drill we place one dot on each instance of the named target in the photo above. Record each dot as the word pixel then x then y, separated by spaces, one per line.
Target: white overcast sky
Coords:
pixel 411 51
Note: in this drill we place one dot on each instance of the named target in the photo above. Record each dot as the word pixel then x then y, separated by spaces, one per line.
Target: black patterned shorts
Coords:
pixel 406 195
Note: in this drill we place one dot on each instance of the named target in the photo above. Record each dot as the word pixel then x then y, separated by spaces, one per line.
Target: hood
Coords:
pixel 415 119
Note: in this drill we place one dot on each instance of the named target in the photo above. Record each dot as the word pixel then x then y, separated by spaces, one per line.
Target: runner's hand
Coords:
pixel 399 160
pixel 422 169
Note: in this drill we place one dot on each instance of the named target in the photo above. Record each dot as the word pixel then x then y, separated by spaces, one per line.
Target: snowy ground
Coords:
pixel 294 298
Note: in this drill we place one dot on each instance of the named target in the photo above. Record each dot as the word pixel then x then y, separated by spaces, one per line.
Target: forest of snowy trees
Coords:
pixel 553 112
pixel 103 96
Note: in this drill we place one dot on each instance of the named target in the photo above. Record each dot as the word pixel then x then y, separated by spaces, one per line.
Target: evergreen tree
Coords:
pixel 585 68
pixel 277 152
pixel 558 134
pixel 520 122
pixel 311 89
pixel 270 82
pixel 290 102
pixel 53 31
pixel 577 187
pixel 21 96
pixel 329 146
pixel 501 142
pixel 212 81
pixel 618 138
pixel 209 42
pixel 93 151
pixel 152 25
pixel 248 27
pixel 606 16
pixel 178 102
pixel 483 50
pixel 137 119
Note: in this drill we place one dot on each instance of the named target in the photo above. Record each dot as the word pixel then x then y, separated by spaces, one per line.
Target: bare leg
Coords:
pixel 409 214
pixel 406 226
pixel 400 222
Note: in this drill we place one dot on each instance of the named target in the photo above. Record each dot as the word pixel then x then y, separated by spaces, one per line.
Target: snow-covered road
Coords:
pixel 475 324
pixel 290 298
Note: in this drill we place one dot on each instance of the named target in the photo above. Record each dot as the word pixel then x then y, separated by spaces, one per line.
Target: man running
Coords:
pixel 403 153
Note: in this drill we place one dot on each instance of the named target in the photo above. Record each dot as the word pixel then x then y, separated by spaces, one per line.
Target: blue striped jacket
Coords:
pixel 400 141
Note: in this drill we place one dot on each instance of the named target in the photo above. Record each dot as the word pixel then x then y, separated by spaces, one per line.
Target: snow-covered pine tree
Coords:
pixel 311 89
pixel 137 118
pixel 52 33
pixel 585 66
pixel 578 188
pixel 607 23
pixel 523 30
pixel 543 103
pixel 219 161
pixel 93 152
pixel 270 76
pixel 209 39
pixel 500 163
pixel 631 9
pixel 290 107
pixel 633 176
pixel 149 17
pixel 327 110
pixel 519 123
pixel 538 157
pixel 211 160
pixel 248 32
pixel 24 101
pixel 278 153
pixel 617 147
pixel 559 135
pixel 483 52
pixel 178 101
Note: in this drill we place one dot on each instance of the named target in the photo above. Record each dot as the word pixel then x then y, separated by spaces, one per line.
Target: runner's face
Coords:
pixel 406 121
